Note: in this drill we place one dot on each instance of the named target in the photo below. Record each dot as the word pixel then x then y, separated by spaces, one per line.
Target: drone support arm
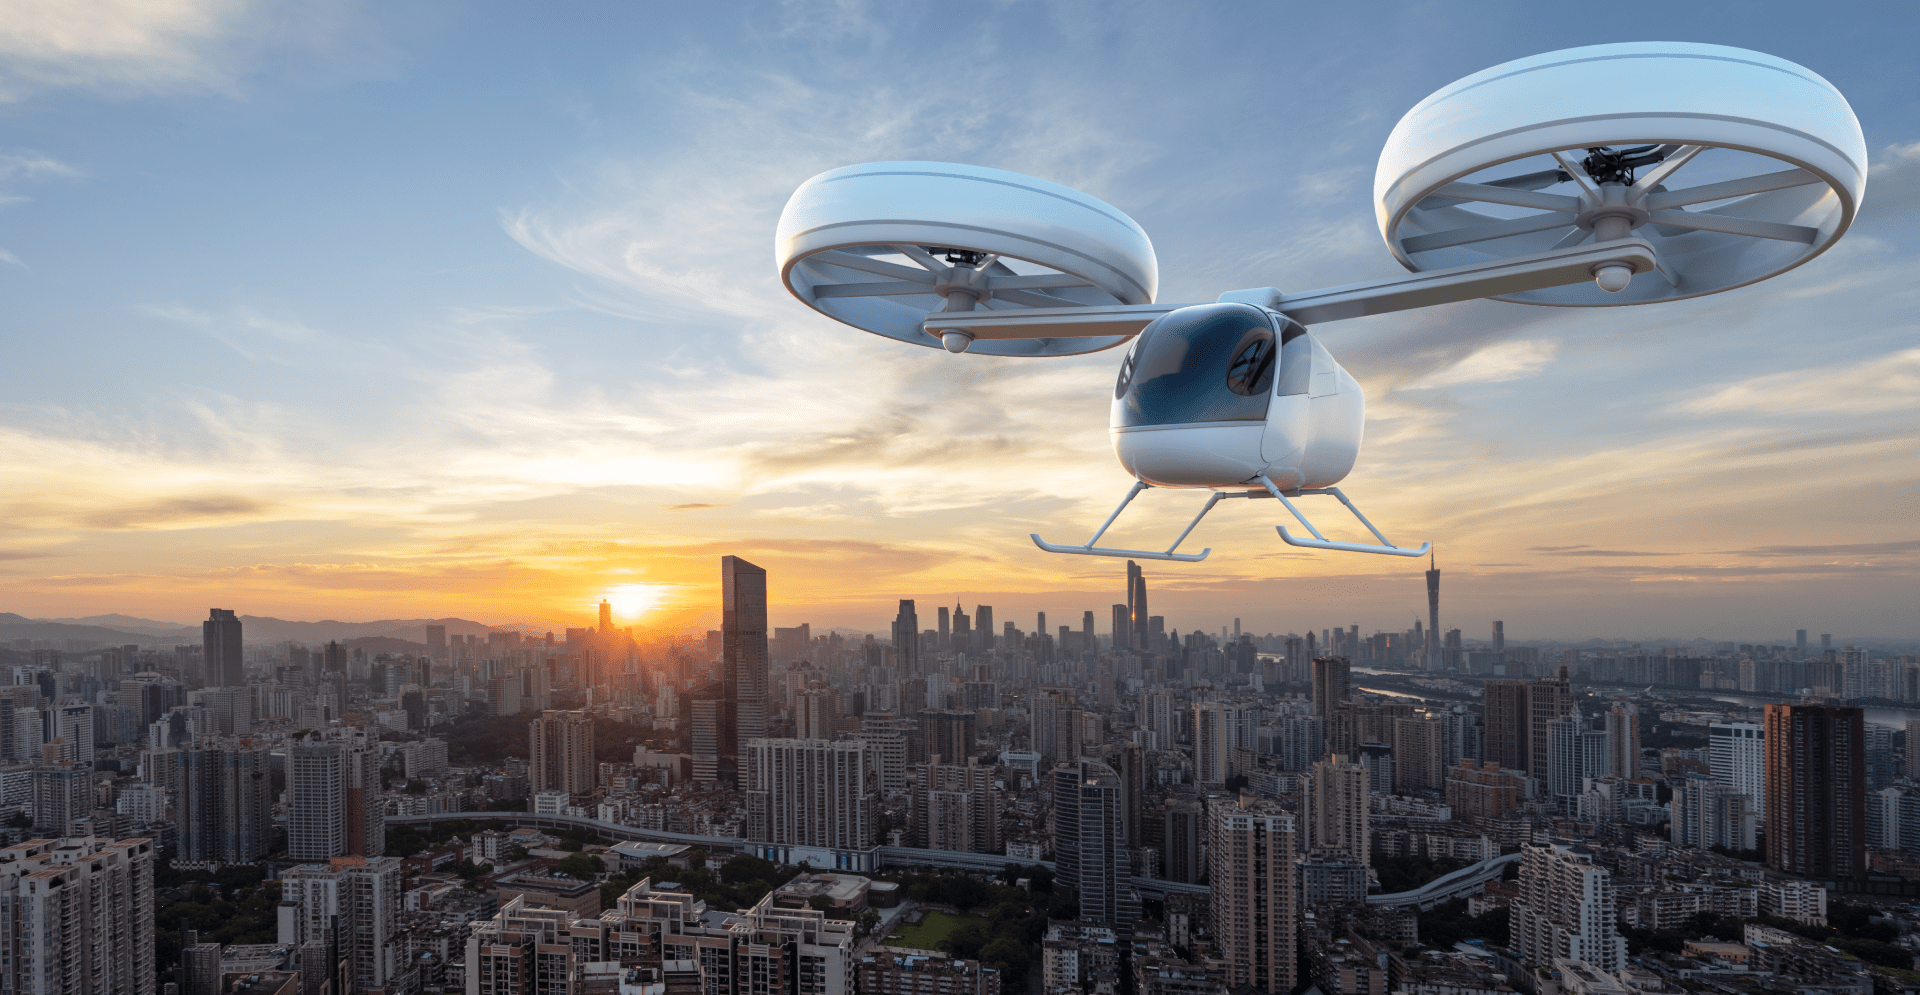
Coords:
pixel 1322 542
pixel 1091 550
pixel 1492 278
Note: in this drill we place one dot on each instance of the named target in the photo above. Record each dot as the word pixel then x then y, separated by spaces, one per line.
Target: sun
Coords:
pixel 634 600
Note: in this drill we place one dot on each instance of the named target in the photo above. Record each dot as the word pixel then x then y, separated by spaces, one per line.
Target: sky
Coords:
pixel 365 311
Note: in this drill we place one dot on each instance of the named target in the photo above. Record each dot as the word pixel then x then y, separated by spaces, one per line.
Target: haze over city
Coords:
pixel 365 312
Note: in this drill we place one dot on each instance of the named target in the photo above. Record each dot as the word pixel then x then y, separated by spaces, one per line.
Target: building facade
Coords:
pixel 78 913
pixel 1250 856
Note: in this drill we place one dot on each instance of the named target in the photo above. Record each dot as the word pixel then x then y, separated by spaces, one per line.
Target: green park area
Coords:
pixel 929 931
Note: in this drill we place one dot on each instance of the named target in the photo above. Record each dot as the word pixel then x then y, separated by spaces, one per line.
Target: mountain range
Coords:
pixel 124 629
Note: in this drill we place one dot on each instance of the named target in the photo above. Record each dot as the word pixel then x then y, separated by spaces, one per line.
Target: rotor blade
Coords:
pixel 890 288
pixel 1573 238
pixel 1658 174
pixel 878 267
pixel 1726 189
pixel 1031 299
pixel 1513 198
pixel 1734 226
pixel 1577 173
pixel 1528 181
pixel 919 255
pixel 1043 282
pixel 1481 233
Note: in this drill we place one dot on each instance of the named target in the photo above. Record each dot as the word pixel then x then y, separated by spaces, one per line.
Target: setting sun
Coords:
pixel 631 601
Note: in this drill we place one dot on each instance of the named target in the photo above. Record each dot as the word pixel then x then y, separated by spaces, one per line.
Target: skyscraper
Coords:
pixel 606 619
pixel 226 801
pixel 1250 856
pixel 1433 614
pixel 1623 739
pixel 945 627
pixel 1565 910
pixel 224 661
pixel 1122 628
pixel 560 753
pixel 1816 790
pixel 1330 683
pixel 1507 737
pixel 948 734
pixel 1499 636
pixel 982 629
pixel 906 638
pixel 364 895
pixel 1339 809
pixel 1739 758
pixel 90 905
pixel 1137 605
pixel 1088 852
pixel 808 793
pixel 743 624
pixel 1214 737
pixel 436 643
pixel 333 798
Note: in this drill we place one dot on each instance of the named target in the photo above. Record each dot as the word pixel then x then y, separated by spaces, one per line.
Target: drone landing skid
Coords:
pixel 1317 542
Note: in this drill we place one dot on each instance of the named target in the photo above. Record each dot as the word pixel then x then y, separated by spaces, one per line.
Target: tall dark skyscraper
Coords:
pixel 1499 637
pixel 743 627
pixel 226 667
pixel 946 631
pixel 606 619
pixel 1136 607
pixel 906 638
pixel 1816 770
pixel 1088 842
pixel 1433 614
pixel 1331 677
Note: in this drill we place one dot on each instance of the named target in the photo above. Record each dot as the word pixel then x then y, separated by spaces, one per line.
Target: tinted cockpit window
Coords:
pixel 1210 362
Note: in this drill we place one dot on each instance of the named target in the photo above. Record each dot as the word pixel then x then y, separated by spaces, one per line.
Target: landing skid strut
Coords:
pixel 1317 542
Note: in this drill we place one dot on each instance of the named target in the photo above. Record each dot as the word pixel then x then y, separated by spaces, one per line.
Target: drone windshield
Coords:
pixel 1206 363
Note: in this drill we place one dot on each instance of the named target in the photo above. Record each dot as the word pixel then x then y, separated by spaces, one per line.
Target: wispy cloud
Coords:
pixel 1497 363
pixel 1885 383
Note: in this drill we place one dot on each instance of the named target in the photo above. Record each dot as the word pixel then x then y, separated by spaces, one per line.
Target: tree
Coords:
pixel 584 866
pixel 864 922
pixel 748 868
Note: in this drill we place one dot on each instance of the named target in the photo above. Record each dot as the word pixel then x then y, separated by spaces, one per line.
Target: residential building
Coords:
pixel 361 896
pixel 1566 909
pixel 560 754
pixel 955 807
pixel 1089 853
pixel 1816 823
pixel 810 793
pixel 225 814
pixel 333 797
pixel 79 917
pixel 222 655
pixel 1340 809
pixel 1737 753
pixel 1250 856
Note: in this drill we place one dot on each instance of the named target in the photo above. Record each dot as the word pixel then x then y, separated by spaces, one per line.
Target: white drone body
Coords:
pixel 1542 181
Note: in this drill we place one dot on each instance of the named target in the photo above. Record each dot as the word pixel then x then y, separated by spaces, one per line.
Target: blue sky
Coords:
pixel 374 310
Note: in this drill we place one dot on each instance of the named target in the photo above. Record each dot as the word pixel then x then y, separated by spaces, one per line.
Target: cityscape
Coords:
pixel 620 498
pixel 958 804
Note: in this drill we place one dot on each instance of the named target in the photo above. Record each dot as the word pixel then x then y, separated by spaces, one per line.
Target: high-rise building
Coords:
pixel 1215 734
pixel 62 796
pixel 1331 675
pixel 1623 739
pixel 333 798
pixel 1816 790
pixel 1433 614
pixel 80 917
pixel 1565 910
pixel 982 629
pixel 948 734
pixel 906 638
pixel 226 802
pixel 1738 756
pixel 437 643
pixel 1507 736
pixel 955 807
pixel 1339 809
pixel 1707 814
pixel 1250 853
pixel 1089 855
pixel 560 753
pixel 809 793
pixel 363 897
pixel 1913 751
pixel 1419 753
pixel 1136 607
pixel 1499 636
pixel 605 629
pixel 222 655
pixel 1180 853
pixel 743 624
pixel 1122 628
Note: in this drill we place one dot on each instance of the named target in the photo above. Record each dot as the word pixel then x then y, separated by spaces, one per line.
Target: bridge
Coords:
pixel 1464 881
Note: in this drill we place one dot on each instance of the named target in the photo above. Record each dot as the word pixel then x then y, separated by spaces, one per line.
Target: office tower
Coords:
pixel 1330 683
pixel 437 642
pixel 1826 642
pixel 1087 642
pixel 1816 790
pixel 982 629
pixel 1737 752
pixel 1133 785
pixel 226 801
pixel 1800 642
pixel 1251 866
pixel 955 807
pixel 1506 723
pixel 1236 630
pixel 1433 614
pixel 1180 851
pixel 79 915
pixel 605 629
pixel 333 659
pixel 706 728
pixel 73 725
pixel 1419 753
pixel 363 897
pixel 1880 766
pixel 1565 910
pixel 1122 628
pixel 887 742
pixel 1339 809
pixel 1089 857
pixel 1043 725
pixel 1215 734
pixel 743 624
pixel 1576 752
pixel 333 799
pixel 1040 625
pixel 948 734
pixel 62 795
pixel 946 634
pixel 808 793
pixel 1137 602
pixel 222 657
pixel 906 638
pixel 1499 636
pixel 560 753
pixel 1623 739
pixel 1707 814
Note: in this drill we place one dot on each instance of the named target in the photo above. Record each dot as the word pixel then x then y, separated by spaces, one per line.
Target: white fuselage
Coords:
pixel 1309 435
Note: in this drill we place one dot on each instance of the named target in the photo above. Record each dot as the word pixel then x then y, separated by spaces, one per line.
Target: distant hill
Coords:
pixel 115 630
pixel 18 627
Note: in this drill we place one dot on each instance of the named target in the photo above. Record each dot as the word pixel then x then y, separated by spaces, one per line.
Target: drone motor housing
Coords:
pixel 1218 395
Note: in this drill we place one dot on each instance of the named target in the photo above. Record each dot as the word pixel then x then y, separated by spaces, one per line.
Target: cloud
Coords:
pixel 1893 183
pixel 31 166
pixel 696 504
pixel 1843 549
pixel 1583 551
pixel 115 46
pixel 1884 383
pixel 1497 363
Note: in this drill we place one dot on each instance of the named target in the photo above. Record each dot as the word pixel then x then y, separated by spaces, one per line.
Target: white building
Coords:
pixel 79 916
pixel 812 793
pixel 1565 910
pixel 365 895
pixel 1792 898
pixel 1737 754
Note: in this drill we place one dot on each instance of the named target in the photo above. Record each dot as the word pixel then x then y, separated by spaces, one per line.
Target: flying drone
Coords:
pixel 1548 180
